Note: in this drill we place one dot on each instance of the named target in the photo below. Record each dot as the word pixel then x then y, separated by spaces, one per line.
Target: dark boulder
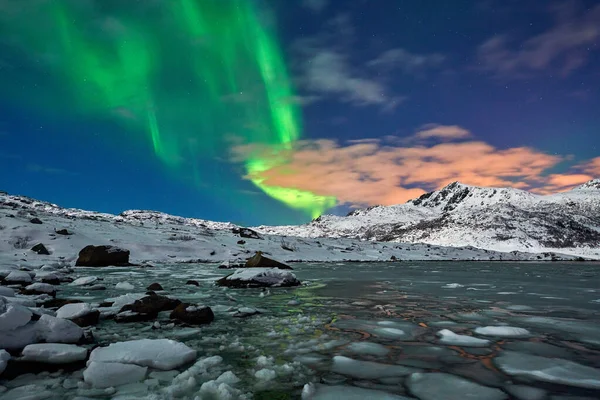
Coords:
pixel 257 278
pixel 246 233
pixel 260 261
pixel 63 232
pixel 88 319
pixel 241 242
pixel 155 286
pixel 58 303
pixel 35 221
pixel 130 316
pixel 40 249
pixel 152 305
pixel 192 282
pixel 193 315
pixel 102 256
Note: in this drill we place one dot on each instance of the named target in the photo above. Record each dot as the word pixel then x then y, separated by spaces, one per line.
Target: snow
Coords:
pixel 103 375
pixel 58 330
pixel 12 315
pixel 75 310
pixel 18 277
pixel 124 286
pixel 161 354
pixel 502 331
pixel 450 338
pixel 4 357
pixel 324 392
pixel 266 276
pixel 84 280
pixel 129 298
pixel 41 287
pixel 434 386
pixel 53 353
pixel 6 292
pixel 552 370
pixel 368 369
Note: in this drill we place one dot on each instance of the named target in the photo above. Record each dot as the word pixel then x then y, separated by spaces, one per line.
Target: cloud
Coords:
pixel 406 61
pixel 381 171
pixel 315 5
pixel 592 167
pixel 565 46
pixel 443 132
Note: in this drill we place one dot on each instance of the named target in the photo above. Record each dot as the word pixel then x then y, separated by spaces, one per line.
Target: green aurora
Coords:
pixel 194 77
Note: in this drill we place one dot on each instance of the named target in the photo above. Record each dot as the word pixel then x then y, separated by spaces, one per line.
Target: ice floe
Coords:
pixel 53 353
pixel 368 369
pixel 502 331
pixel 450 338
pixel 74 310
pixel 437 385
pixel 107 374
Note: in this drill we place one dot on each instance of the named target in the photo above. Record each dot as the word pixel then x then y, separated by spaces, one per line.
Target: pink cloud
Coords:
pixel 376 172
pixel 443 132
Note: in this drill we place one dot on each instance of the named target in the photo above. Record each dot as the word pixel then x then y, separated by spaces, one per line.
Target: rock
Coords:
pixel 434 386
pixel 259 277
pixel 55 303
pixel 192 282
pixel 35 221
pixel 40 249
pixel 40 288
pixel 241 242
pixel 18 277
pixel 163 354
pixel 193 315
pixel 80 313
pixel 63 232
pixel 130 316
pixel 51 278
pixel 103 375
pixel 152 304
pixel 54 353
pixel 260 261
pixel 155 286
pixel 102 256
pixel 246 233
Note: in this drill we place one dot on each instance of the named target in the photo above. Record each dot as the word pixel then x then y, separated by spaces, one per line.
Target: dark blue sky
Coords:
pixel 397 98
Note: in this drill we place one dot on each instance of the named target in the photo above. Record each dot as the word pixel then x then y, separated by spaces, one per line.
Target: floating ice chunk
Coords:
pixel 553 370
pixel 84 280
pixel 263 361
pixel 219 391
pixel 4 357
pixel 264 277
pixel 18 277
pixel 265 374
pixel 374 349
pixel 164 376
pixel 124 286
pixel 228 377
pixel 13 315
pixel 18 338
pixel 164 354
pixel 58 330
pixel 6 292
pixel 452 286
pixel 54 353
pixel 436 385
pixel 523 392
pixel 28 392
pixel 367 369
pixel 502 331
pixel 324 392
pixel 103 375
pixel 129 298
pixel 450 338
pixel 75 310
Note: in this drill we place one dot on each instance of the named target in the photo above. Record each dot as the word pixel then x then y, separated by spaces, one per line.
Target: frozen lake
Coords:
pixel 425 330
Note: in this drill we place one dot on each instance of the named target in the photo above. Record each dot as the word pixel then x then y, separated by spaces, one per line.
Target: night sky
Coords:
pixel 276 111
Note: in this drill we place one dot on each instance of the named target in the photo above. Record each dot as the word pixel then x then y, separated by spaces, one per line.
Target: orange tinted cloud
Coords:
pixel 375 172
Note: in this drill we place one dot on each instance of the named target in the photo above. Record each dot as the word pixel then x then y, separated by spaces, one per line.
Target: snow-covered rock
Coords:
pixel 107 374
pixel 260 277
pixel 74 310
pixel 84 280
pixel 434 386
pixel 124 286
pixel 57 330
pixel 502 331
pixel 54 353
pixel 450 338
pixel 12 316
pixel 552 370
pixel 38 288
pixel 6 292
pixel 4 357
pixel 161 354
pixel 18 277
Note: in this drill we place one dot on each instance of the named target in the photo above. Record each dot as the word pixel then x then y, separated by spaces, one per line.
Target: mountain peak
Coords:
pixel 594 184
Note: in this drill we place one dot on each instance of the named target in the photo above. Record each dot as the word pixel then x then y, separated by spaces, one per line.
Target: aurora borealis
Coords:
pixel 266 111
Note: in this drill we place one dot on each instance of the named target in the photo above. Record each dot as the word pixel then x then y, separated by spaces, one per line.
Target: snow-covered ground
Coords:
pixel 154 237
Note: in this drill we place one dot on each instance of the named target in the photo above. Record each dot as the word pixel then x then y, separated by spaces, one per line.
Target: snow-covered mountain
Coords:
pixel 155 237
pixel 502 219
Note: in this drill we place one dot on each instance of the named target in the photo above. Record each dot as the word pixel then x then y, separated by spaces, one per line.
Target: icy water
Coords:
pixel 365 330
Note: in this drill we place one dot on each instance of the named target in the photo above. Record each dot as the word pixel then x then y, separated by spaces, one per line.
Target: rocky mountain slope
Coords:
pixel 501 219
